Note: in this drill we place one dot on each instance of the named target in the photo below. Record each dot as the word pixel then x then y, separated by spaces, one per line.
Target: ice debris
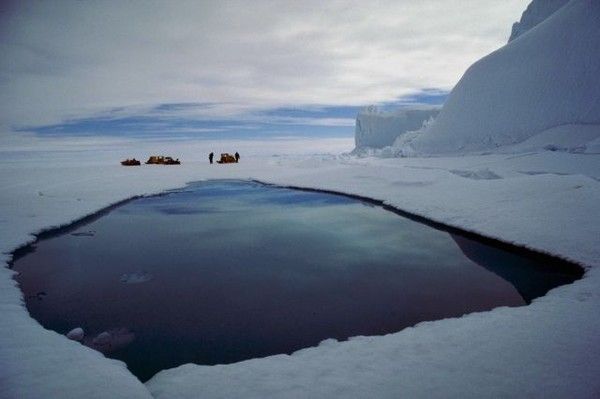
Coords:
pixel 136 277
pixel 76 334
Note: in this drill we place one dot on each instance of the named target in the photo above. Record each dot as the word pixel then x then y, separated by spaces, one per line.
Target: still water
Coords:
pixel 225 271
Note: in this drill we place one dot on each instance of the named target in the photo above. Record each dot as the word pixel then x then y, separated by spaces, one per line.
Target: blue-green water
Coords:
pixel 225 271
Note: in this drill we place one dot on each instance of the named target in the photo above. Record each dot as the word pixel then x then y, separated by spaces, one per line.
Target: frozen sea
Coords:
pixel 546 200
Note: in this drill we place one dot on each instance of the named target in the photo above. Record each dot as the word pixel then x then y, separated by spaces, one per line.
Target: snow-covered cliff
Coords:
pixel 536 12
pixel 377 129
pixel 548 78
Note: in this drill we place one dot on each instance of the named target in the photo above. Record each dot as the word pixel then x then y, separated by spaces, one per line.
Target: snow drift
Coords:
pixel 376 129
pixel 548 77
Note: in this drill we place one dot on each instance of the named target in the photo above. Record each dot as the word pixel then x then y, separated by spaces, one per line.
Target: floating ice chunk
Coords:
pixel 76 334
pixel 136 278
pixel 102 339
pixel 121 337
pixel 89 233
pixel 112 340
pixel 39 296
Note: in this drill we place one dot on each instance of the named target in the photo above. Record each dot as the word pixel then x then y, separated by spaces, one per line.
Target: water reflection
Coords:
pixel 532 278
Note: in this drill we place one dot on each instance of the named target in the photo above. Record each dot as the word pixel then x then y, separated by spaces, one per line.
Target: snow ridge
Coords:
pixel 536 12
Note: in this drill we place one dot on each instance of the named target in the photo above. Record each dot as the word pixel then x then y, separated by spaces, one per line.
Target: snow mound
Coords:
pixel 376 129
pixel 566 138
pixel 547 78
pixel 537 11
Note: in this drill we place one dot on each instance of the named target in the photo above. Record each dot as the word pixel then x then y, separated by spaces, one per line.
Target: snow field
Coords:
pixel 545 200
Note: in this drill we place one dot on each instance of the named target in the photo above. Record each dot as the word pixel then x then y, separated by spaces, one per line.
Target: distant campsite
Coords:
pixel 166 160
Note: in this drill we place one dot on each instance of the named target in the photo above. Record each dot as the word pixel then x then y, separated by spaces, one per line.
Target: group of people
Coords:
pixel 212 155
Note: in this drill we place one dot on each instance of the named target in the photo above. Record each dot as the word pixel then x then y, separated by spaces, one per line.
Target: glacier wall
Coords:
pixel 376 129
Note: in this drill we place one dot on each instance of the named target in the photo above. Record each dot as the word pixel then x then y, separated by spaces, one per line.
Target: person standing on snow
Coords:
pixel 210 157
pixel 237 157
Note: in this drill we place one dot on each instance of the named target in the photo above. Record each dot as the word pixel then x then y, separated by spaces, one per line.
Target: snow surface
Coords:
pixel 539 92
pixel 377 129
pixel 546 78
pixel 570 138
pixel 546 200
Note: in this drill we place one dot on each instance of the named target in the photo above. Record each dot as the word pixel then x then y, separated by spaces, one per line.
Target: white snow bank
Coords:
pixel 546 78
pixel 537 11
pixel 377 129
pixel 569 138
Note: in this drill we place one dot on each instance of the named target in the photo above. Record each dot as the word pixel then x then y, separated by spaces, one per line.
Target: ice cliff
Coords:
pixel 377 129
pixel 548 78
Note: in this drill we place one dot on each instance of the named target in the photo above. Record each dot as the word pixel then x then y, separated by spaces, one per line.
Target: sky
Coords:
pixel 233 69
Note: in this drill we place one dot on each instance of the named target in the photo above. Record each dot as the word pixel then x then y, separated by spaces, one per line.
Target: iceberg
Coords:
pixel 545 79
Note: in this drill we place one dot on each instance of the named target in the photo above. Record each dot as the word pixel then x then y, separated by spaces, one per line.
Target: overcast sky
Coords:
pixel 71 62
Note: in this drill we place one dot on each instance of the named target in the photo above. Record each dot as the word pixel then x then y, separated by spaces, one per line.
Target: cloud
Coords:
pixel 198 120
pixel 72 59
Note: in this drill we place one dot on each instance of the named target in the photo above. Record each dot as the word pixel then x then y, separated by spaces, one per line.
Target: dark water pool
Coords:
pixel 226 271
